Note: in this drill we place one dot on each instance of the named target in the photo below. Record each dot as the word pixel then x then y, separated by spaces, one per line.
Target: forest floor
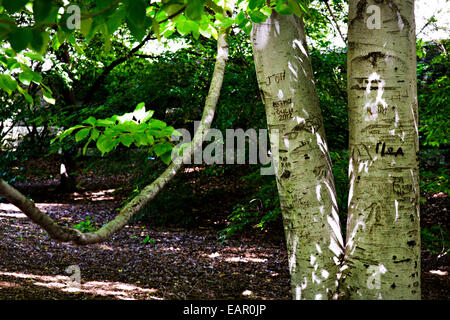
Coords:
pixel 149 261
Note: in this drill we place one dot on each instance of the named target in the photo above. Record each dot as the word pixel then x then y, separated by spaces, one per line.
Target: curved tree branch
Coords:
pixel 65 234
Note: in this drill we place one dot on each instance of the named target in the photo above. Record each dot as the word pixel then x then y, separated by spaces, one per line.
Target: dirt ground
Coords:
pixel 150 262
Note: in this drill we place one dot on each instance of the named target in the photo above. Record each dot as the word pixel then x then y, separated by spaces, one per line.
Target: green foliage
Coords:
pixel 260 211
pixel 436 239
pixel 148 240
pixel 86 225
pixel 330 74
pixel 434 174
pixel 14 6
pixel 435 181
pixel 17 75
pixel 136 127
pixel 433 88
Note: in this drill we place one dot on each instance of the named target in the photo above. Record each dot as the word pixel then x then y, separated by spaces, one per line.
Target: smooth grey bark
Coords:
pixel 302 164
pixel 149 192
pixel 382 254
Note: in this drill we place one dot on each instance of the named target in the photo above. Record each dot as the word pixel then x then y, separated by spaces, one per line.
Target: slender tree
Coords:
pixel 382 254
pixel 302 162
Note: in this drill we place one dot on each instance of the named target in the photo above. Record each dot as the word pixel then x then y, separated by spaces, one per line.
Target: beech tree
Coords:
pixel 302 161
pixel 381 256
pixel 383 229
pixel 381 259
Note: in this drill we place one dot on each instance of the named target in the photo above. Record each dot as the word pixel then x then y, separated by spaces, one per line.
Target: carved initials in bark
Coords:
pixel 399 186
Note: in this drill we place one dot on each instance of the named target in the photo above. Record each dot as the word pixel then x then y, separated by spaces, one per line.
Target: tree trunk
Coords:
pixel 67 181
pixel 383 232
pixel 302 163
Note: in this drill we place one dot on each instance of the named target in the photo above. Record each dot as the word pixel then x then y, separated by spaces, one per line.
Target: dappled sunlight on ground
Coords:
pixel 119 290
pixel 245 258
pixel 439 272
pixel 101 195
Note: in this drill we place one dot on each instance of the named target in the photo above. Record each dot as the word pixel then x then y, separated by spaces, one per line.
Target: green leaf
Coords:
pixel 140 139
pixel 188 27
pixel 39 41
pixel 296 7
pixel 19 38
pixel 207 33
pixel 170 10
pixel 115 20
pixel 34 56
pixel 91 121
pixel 26 78
pixel 82 134
pixel 9 52
pixel 104 122
pixel 126 139
pixel 194 9
pixel 67 132
pixel 48 97
pixel 162 148
pixel 225 22
pixel 8 83
pixel 36 77
pixel 253 4
pixel 283 8
pixel 86 145
pixel 86 26
pixel 212 5
pixel 106 143
pixel 259 16
pixel 168 131
pixel 14 5
pixel 44 11
pixel 95 134
pixel 107 36
pixel 26 95
pixel 136 12
pixel 166 157
pixel 156 29
pixel 156 124
pixel 137 32
pixel 140 106
pixel 150 138
pixel 137 20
